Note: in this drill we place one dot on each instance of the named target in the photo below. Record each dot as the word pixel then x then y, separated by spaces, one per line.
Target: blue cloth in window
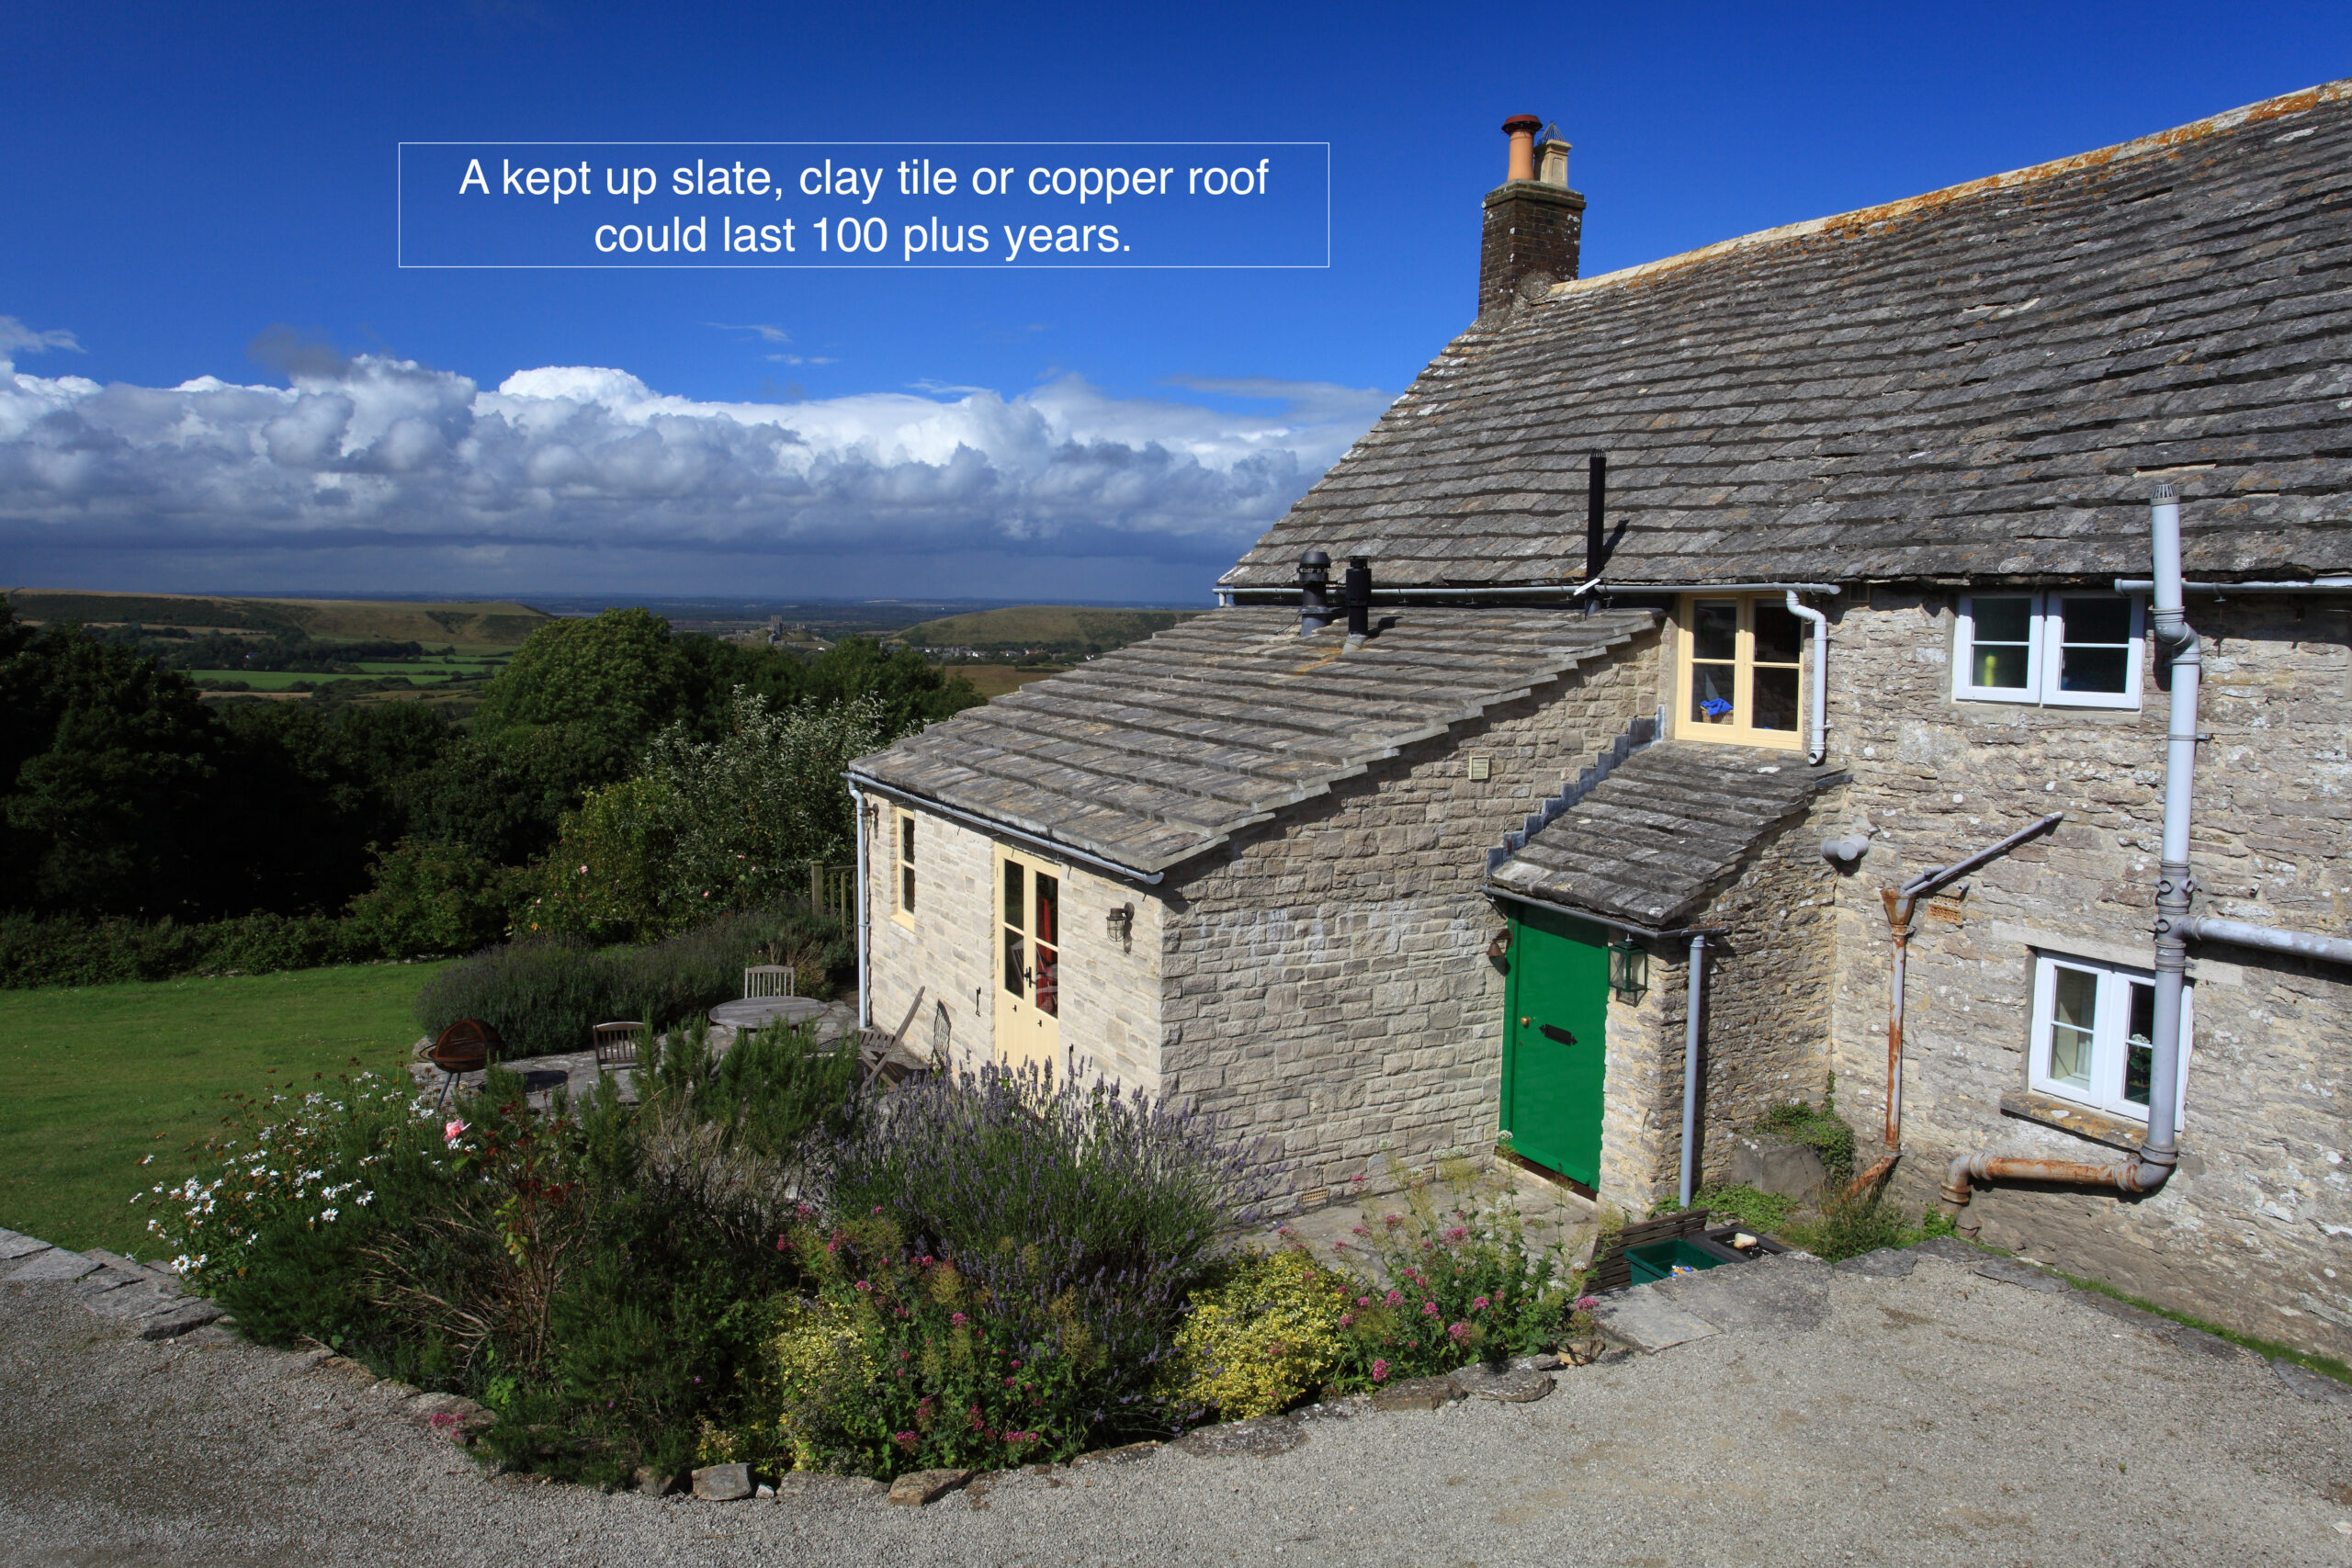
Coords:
pixel 1714 708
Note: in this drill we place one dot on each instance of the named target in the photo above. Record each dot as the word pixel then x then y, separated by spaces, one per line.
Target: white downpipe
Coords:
pixel 865 996
pixel 1819 750
pixel 2174 886
pixel 1691 1066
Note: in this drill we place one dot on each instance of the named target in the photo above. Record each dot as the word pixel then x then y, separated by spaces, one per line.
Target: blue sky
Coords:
pixel 207 192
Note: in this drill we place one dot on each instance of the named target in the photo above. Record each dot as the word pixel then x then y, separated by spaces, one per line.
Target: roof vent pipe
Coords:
pixel 1355 592
pixel 1522 129
pixel 1596 511
pixel 1818 750
pixel 1314 592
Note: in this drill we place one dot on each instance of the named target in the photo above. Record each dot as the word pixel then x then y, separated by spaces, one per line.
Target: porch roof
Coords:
pixel 1659 836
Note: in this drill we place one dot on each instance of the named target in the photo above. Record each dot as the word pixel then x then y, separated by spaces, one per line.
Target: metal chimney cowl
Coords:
pixel 1314 592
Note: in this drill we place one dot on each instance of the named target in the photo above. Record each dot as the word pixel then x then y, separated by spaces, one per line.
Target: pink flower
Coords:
pixel 453 1132
pixel 864 1285
pixel 1459 1334
pixel 1346 1318
pixel 1429 1309
pixel 583 871
pixel 956 1318
pixel 781 1243
pixel 1585 1304
pixel 906 1440
pixel 1379 1371
pixel 1457 1233
pixel 1395 1297
pixel 1363 1301
pixel 1480 1304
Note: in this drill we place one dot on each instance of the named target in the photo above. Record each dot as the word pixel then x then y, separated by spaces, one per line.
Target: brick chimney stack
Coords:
pixel 1534 224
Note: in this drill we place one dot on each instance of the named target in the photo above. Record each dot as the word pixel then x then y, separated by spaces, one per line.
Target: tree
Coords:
pixel 107 770
pixel 616 675
pixel 709 827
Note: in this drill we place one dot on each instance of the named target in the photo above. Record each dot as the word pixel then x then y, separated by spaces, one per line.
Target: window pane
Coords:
pixel 906 888
pixel 1997 668
pixel 2002 620
pixel 1714 629
pixel 1012 899
pixel 1048 926
pixel 1050 981
pixel 907 839
pixel 2096 620
pixel 2074 1013
pixel 1776 699
pixel 1012 978
pixel 1711 692
pixel 1777 637
pixel 2092 669
pixel 2139 1051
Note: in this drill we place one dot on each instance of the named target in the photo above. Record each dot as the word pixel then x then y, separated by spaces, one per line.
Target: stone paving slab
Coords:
pixel 13 1246
pixel 1784 1294
pixel 1648 1322
pixel 56 1264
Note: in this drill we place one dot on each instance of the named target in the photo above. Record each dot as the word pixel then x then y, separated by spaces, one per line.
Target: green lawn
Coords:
pixel 94 1077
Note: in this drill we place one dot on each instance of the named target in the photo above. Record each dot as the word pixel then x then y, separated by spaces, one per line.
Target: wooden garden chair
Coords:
pixel 617 1045
pixel 767 980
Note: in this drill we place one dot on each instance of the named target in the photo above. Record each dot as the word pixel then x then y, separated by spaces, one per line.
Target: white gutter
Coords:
pixel 865 999
pixel 1053 846
pixel 2309 944
pixel 1820 747
pixel 1694 999
pixel 2317 585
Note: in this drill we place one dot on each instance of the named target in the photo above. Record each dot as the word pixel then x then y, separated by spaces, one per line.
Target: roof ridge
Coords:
pixel 1861 218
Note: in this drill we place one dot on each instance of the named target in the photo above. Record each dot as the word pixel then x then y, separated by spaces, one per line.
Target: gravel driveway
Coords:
pixel 1940 1417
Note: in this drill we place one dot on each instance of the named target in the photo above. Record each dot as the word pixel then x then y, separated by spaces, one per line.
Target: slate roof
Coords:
pixel 1983 382
pixel 1660 835
pixel 1149 755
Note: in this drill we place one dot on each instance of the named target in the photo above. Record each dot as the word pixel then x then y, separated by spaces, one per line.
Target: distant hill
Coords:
pixel 498 623
pixel 1058 628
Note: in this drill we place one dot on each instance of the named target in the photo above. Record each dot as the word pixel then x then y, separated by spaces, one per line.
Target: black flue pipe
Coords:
pixel 1596 507
pixel 1355 591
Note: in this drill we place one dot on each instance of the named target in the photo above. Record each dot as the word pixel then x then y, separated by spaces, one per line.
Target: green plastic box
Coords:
pixel 1657 1260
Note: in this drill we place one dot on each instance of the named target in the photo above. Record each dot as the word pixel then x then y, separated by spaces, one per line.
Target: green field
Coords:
pixel 1043 625
pixel 96 1077
pixel 497 624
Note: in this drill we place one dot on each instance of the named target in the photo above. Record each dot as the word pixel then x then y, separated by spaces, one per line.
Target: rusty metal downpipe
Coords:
pixel 1900 902
pixel 2131 1177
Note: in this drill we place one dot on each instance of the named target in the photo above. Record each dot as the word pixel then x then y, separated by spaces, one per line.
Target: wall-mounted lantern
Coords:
pixel 1629 969
pixel 1119 926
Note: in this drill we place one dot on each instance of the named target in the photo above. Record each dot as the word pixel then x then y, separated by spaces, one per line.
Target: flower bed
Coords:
pixel 758 1264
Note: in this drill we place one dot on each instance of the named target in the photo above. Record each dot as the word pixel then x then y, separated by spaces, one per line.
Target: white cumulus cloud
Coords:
pixel 382 452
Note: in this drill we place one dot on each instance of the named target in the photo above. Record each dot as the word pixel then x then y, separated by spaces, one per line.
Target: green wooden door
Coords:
pixel 1553 1050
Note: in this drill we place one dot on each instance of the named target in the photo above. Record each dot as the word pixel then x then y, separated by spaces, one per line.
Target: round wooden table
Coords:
pixel 753 1012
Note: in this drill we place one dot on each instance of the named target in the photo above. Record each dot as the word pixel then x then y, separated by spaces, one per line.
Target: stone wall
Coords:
pixel 1764 1022
pixel 946 950
pixel 2256 1229
pixel 1325 976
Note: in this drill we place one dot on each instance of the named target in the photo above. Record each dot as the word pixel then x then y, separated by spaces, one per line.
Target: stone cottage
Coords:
pixel 1768 628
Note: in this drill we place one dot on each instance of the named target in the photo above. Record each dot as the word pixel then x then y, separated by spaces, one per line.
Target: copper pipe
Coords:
pixel 2131 1176
pixel 1898 924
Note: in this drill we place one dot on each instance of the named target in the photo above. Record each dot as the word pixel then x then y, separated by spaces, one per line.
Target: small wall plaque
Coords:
pixel 1479 768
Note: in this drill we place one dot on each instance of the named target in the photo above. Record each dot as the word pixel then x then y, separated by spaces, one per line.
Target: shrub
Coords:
pixel 1759 1211
pixel 66 952
pixel 1262 1339
pixel 1442 1285
pixel 544 994
pixel 431 898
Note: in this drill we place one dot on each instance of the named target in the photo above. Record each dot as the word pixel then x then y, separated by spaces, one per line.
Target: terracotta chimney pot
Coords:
pixel 1521 129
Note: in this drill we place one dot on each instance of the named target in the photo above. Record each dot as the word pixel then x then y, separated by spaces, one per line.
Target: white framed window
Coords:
pixel 2056 649
pixel 2092 1023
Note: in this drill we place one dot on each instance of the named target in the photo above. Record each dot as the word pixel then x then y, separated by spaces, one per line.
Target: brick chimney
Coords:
pixel 1535 222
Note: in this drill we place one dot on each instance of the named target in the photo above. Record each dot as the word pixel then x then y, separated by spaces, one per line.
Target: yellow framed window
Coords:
pixel 902 866
pixel 1742 658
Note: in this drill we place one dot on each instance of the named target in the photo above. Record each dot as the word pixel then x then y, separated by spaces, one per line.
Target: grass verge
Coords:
pixel 96 1078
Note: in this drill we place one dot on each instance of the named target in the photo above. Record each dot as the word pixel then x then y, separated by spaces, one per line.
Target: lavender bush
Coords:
pixel 1075 1219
